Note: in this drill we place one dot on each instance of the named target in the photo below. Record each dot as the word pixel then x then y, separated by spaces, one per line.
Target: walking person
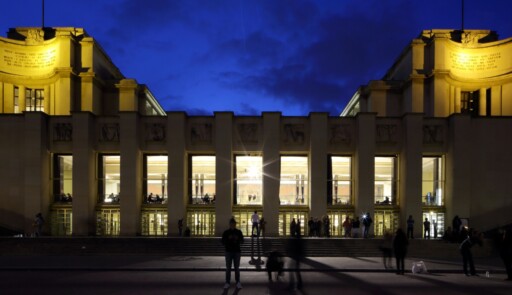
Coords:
pixel 295 250
pixel 410 227
pixel 38 225
pixel 400 248
pixel 293 226
pixel 255 221
pixel 426 226
pixel 232 238
pixel 386 248
pixel 347 226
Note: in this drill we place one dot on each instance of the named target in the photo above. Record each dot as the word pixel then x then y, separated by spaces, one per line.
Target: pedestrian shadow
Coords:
pixel 453 287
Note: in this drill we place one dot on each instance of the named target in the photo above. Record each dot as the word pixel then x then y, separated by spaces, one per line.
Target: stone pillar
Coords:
pixel 482 104
pixel 36 156
pixel 131 174
pixel 177 172
pixel 223 170
pixel 410 172
pixel 364 165
pixel 458 168
pixel 457 99
pixel 271 171
pixel 85 187
pixel 318 164
pixel 128 99
pixel 452 100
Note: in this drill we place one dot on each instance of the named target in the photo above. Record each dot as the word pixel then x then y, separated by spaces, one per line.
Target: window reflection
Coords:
pixel 293 189
pixel 203 179
pixel 385 180
pixel 432 181
pixel 249 180
pixel 155 179
pixel 109 178
pixel 340 181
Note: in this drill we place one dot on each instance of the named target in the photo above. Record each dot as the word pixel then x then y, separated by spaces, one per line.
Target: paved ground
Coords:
pixel 143 274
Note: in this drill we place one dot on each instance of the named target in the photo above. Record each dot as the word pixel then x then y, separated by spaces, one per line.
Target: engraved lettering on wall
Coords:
pixel 109 132
pixel 386 133
pixel 248 132
pixel 201 133
pixel 340 134
pixel 155 132
pixel 433 134
pixel 62 132
pixel 294 133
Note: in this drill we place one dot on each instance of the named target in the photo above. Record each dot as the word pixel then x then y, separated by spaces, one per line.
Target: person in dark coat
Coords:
pixel 232 238
pixel 400 248
pixel 505 250
pixel 465 250
pixel 295 250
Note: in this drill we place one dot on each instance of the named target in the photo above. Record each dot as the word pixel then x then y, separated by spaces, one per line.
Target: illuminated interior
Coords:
pixel 385 180
pixel 62 178
pixel 432 181
pixel 203 179
pixel 156 179
pixel 62 221
pixel 249 183
pixel 154 222
pixel 436 224
pixel 201 222
pixel 293 189
pixel 110 178
pixel 286 218
pixel 385 221
pixel 108 222
pixel 341 180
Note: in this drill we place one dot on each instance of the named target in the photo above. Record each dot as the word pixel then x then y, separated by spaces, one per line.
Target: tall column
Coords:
pixel 36 168
pixel 177 177
pixel 482 104
pixel 457 100
pixel 364 165
pixel 496 100
pixel 271 171
pixel 223 170
pixel 85 188
pixel 131 174
pixel 411 171
pixel 458 168
pixel 452 100
pixel 318 164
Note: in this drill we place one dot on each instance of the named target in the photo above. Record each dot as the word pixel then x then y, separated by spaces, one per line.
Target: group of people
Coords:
pixel 154 199
pixel 258 224
pixel 426 228
pixel 66 198
pixel 319 227
pixel 352 226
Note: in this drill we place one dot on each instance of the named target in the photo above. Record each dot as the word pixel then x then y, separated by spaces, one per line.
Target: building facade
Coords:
pixel 96 154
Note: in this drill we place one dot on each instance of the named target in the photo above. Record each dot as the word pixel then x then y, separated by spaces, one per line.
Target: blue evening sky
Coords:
pixel 249 56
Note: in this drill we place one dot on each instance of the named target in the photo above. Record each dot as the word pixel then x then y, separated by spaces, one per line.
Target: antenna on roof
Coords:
pixel 462 28
pixel 43 14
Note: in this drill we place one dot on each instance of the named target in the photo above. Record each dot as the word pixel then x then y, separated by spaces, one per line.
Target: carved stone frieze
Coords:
pixel 432 134
pixel 386 133
pixel 109 132
pixel 155 132
pixel 62 132
pixel 294 134
pixel 340 134
pixel 248 132
pixel 201 133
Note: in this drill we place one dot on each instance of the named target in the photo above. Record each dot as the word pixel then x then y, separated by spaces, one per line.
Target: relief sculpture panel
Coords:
pixel 155 132
pixel 248 132
pixel 63 132
pixel 340 134
pixel 294 134
pixel 201 133
pixel 109 132
pixel 432 134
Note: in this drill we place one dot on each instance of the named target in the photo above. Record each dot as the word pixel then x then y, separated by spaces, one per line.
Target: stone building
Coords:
pixel 96 154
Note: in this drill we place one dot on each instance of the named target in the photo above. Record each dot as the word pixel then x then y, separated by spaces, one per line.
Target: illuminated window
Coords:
pixel 202 180
pixel 62 221
pixel 34 100
pixel 62 178
pixel 436 220
pixel 200 222
pixel 293 189
pixel 154 222
pixel 386 180
pixel 248 179
pixel 385 221
pixel 108 222
pixel 109 180
pixel 340 181
pixel 432 181
pixel 286 219
pixel 155 179
pixel 16 100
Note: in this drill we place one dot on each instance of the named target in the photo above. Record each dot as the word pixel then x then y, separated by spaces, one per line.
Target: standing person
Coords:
pixel 367 221
pixel 180 226
pixel 456 224
pixel 465 250
pixel 38 225
pixel 387 249
pixel 327 224
pixel 297 229
pixel 426 226
pixel 232 238
pixel 347 226
pixel 355 227
pixel 410 227
pixel 295 250
pixel 293 225
pixel 255 220
pixel 434 223
pixel 400 248
pixel 310 226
